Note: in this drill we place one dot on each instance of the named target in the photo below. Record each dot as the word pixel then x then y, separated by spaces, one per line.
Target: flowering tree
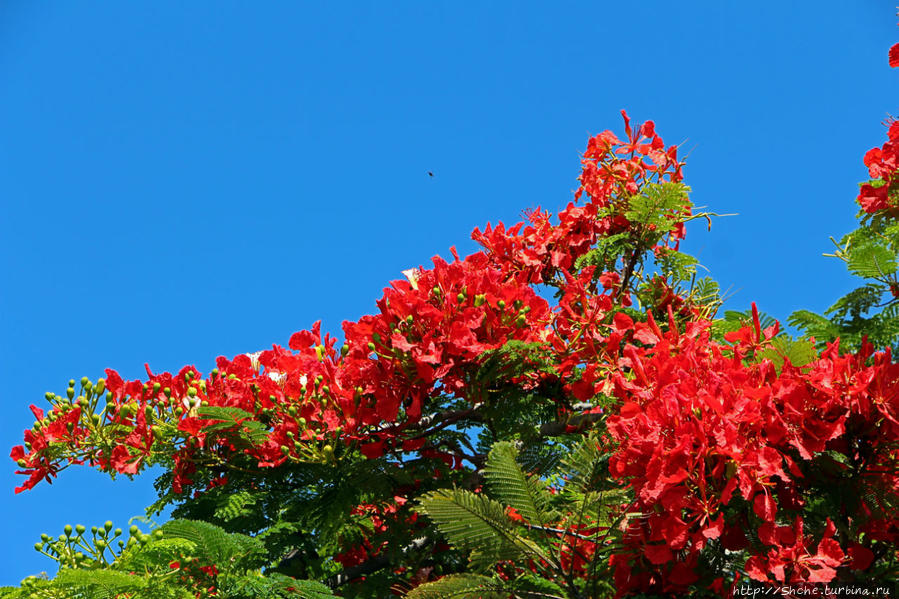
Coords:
pixel 562 414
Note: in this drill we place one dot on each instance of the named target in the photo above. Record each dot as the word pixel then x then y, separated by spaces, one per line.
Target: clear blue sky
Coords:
pixel 180 181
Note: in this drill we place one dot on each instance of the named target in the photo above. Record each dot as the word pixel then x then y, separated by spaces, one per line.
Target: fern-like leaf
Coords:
pixel 460 586
pixel 512 486
pixel 476 523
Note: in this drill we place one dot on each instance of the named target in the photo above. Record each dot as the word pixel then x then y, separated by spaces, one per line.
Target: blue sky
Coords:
pixel 180 181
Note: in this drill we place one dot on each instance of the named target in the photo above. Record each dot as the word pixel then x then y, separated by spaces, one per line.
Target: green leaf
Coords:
pixel 871 260
pixel 460 586
pixel 476 523
pixel 511 485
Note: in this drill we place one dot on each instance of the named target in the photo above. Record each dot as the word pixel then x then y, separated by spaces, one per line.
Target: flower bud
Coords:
pixel 21 462
pixel 344 350
pixel 71 382
pixel 107 526
pixel 101 386
pixel 70 392
pixel 68 530
pixel 84 381
pixel 38 546
pixel 79 528
pixel 479 300
pixel 191 392
pixel 371 346
pixel 460 298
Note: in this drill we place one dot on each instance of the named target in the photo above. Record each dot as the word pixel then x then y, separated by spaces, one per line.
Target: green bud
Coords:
pixel 320 351
pixel 100 543
pixel 45 537
pixel 70 392
pixel 479 300
pixel 158 534
pixel 79 528
pixel 410 319
pixel 38 546
pixel 68 530
pixel 71 382
pixel 302 422
pixel 285 449
pixel 344 350
pixel 94 530
pixel 49 395
pixel 21 462
pixel 107 526
pixel 156 387
pixel 501 304
pixel 84 381
pixel 292 411
pixel 460 298
pixel 79 556
pixel 167 391
pixel 133 530
pixel 95 418
pixel 328 450
pixel 326 389
pixel 117 532
pixel 101 386
pixel 191 392
pixel 520 321
pixel 371 346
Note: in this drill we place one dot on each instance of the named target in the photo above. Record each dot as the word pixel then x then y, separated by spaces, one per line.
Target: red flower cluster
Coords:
pixel 883 167
pixel 714 442
pixel 612 171
pixel 429 336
